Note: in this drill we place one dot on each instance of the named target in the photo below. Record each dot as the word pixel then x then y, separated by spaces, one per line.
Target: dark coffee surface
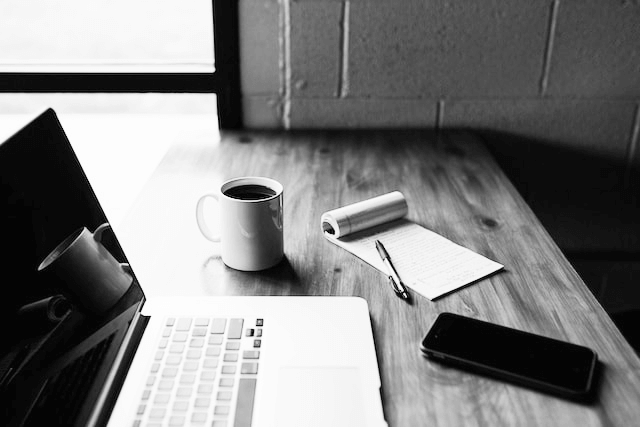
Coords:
pixel 250 192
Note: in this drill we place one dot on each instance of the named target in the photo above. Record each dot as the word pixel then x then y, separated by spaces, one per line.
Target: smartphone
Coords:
pixel 531 360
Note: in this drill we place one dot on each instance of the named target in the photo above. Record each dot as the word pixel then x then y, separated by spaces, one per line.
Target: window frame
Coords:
pixel 224 81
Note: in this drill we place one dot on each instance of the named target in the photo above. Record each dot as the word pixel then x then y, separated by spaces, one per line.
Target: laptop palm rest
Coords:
pixel 319 397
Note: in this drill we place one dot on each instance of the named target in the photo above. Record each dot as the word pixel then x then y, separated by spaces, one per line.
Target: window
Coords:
pixel 187 46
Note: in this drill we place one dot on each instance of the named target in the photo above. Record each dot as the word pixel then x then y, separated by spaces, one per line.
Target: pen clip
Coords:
pixel 394 285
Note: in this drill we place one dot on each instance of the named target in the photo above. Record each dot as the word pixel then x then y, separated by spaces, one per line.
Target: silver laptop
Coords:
pixel 213 361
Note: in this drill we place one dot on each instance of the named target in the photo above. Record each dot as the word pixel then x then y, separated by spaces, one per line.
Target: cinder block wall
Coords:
pixel 513 65
pixel 552 85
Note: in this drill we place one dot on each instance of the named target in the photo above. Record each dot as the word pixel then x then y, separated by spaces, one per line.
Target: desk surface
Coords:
pixel 453 187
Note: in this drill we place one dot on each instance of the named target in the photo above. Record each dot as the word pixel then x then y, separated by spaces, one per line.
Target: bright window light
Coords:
pixel 106 36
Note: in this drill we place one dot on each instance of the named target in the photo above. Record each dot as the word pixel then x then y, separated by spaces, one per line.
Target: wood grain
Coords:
pixel 453 187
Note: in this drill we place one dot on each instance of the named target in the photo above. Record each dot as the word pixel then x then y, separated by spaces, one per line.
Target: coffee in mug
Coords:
pixel 250 192
pixel 250 225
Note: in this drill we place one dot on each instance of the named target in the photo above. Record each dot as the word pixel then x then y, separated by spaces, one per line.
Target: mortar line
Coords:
pixel 343 78
pixel 286 63
pixel 439 114
pixel 633 146
pixel 546 60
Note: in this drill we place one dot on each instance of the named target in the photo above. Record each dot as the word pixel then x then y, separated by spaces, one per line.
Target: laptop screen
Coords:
pixel 47 330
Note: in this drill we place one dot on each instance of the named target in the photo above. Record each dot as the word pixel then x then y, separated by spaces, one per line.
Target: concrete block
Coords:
pixel 351 113
pixel 259 26
pixel 262 112
pixel 315 48
pixel 596 49
pixel 446 48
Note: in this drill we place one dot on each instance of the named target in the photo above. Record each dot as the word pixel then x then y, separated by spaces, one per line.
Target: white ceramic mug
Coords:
pixel 93 279
pixel 250 222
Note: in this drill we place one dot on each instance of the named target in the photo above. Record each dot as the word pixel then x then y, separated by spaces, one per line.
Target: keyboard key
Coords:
pixel 137 423
pixel 244 405
pixel 235 329
pixel 176 348
pixel 218 326
pixel 226 382
pixel 233 345
pixel 228 369
pixel 163 343
pixel 180 337
pixel 251 354
pixel 205 389
pixel 231 357
pixel 170 321
pixel 258 333
pixel 174 359
pixel 146 394
pixel 219 423
pixel 141 409
pixel 155 368
pixel 166 333
pixel 210 363
pixel 257 343
pixel 151 380
pixel 194 353
pixel 259 322
pixel 199 332
pixel 184 392
pixel 166 385
pixel 202 402
pixel 183 324
pixel 221 410
pixel 186 379
pixel 199 417
pixel 213 351
pixel 249 368
pixel 196 343
pixel 177 421
pixel 190 366
pixel 215 339
pixel 159 354
pixel 169 372
pixel 181 406
pixel 207 375
pixel 162 399
pixel 224 395
pixel 249 332
pixel 202 321
pixel 157 413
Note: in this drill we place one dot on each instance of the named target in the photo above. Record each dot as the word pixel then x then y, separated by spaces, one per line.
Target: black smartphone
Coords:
pixel 524 358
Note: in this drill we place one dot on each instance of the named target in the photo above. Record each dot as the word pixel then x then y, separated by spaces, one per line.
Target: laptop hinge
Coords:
pixel 113 383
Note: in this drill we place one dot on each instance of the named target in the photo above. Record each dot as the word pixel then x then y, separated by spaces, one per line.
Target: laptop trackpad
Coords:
pixel 328 396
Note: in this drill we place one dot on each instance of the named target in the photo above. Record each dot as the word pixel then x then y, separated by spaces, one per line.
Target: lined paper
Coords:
pixel 427 262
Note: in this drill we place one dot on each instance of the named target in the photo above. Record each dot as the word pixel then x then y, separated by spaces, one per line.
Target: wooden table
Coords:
pixel 453 187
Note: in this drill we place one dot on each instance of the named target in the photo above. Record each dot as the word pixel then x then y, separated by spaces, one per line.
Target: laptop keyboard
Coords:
pixel 204 373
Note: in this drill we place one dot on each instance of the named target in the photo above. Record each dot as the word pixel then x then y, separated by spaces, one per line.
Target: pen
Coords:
pixel 398 286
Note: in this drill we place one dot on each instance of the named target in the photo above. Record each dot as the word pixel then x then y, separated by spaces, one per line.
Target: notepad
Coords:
pixel 427 262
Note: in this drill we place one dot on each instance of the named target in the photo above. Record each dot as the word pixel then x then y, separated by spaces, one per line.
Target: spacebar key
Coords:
pixel 244 407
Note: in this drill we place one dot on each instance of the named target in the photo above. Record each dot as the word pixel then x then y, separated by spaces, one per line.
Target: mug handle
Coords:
pixel 201 220
pixel 97 235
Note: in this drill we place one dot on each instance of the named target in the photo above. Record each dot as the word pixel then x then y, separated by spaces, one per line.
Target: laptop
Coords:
pixel 182 361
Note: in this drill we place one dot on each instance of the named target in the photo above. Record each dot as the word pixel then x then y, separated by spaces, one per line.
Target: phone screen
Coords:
pixel 511 354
